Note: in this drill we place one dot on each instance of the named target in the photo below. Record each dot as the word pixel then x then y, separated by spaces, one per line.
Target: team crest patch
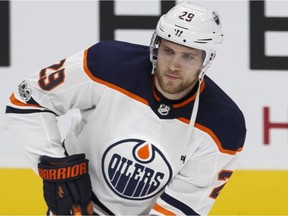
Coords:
pixel 24 91
pixel 135 169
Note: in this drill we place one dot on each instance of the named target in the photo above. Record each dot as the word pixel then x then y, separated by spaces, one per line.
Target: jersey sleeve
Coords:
pixel 195 188
pixel 38 100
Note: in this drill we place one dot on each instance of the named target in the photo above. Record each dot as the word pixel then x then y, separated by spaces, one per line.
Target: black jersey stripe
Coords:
pixel 178 204
pixel 10 109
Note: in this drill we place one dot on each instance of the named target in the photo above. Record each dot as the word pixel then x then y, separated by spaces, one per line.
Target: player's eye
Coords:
pixel 168 51
pixel 188 57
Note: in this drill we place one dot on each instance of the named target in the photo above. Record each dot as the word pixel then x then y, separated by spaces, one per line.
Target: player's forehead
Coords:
pixel 178 47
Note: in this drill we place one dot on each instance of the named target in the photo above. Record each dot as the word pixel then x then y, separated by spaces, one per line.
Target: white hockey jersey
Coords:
pixel 133 137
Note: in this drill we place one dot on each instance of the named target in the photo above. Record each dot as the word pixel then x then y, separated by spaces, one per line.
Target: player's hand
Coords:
pixel 66 184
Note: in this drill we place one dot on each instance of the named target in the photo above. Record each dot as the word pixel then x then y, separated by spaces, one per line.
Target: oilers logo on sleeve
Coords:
pixel 139 172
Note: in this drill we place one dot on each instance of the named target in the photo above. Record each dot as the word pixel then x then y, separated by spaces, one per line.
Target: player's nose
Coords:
pixel 174 63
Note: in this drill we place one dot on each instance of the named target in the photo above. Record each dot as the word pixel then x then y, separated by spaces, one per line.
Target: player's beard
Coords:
pixel 174 86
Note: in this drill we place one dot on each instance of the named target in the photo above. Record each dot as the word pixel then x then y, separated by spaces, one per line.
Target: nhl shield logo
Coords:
pixel 135 169
pixel 164 109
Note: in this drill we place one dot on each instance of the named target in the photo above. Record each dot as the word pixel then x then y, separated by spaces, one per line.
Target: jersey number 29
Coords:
pixel 52 76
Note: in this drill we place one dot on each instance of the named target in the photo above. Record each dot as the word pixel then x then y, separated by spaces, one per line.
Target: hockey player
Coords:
pixel 160 136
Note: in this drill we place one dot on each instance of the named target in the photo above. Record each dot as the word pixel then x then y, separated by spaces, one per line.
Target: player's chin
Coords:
pixel 171 88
